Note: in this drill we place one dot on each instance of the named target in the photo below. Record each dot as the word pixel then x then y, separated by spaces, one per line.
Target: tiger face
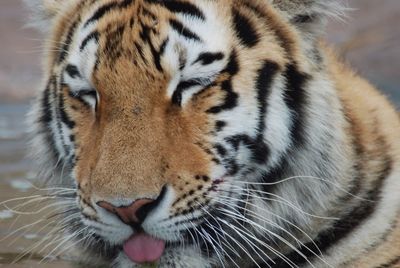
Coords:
pixel 178 123
pixel 160 101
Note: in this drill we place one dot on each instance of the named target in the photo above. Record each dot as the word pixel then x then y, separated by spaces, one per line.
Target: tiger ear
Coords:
pixel 310 16
pixel 43 12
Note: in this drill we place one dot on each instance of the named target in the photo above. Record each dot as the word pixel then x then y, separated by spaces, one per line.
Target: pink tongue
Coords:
pixel 142 248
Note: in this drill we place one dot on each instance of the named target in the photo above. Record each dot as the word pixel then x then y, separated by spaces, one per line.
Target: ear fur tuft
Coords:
pixel 311 15
pixel 43 12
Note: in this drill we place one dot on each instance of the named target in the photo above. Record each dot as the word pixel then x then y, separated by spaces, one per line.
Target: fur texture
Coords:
pixel 261 147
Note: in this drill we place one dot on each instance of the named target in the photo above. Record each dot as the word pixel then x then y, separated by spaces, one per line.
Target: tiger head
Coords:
pixel 161 115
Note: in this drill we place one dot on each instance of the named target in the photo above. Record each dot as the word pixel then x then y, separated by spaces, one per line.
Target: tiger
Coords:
pixel 213 133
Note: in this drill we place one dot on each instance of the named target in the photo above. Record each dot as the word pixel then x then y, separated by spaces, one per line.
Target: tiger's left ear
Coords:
pixel 310 16
pixel 44 11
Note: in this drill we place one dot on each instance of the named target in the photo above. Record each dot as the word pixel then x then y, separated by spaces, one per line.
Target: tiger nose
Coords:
pixel 137 211
pixel 134 213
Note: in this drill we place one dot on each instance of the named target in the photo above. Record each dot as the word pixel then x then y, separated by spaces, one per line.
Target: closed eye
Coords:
pixel 185 86
pixel 85 92
pixel 86 96
pixel 79 89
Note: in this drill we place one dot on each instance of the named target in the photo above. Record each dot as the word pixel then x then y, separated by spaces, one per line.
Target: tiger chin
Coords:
pixel 201 133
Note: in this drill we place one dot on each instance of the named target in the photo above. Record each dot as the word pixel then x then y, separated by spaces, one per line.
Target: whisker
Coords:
pixel 212 241
pixel 20 228
pixel 304 177
pixel 240 217
pixel 65 240
pixel 239 245
pixel 19 198
pixel 56 229
pixel 282 200
pixel 268 247
pixel 263 219
pixel 88 235
pixel 33 247
pixel 270 221
pixel 251 245
pixel 40 210
pixel 217 233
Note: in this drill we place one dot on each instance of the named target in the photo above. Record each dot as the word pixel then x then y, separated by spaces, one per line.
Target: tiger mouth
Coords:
pixel 130 247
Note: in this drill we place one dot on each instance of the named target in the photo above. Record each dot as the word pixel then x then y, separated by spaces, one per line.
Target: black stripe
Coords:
pixel 182 30
pixel 63 115
pixel 296 99
pixel 258 148
pixel 141 53
pixel 275 174
pixel 46 115
pixel 391 264
pixel 81 93
pixel 203 148
pixel 231 97
pixel 72 71
pixel 184 8
pixel 278 172
pixel 92 36
pixel 264 81
pixel 113 45
pixel 156 57
pixel 57 97
pixel 304 18
pixel 46 118
pixel 244 29
pixel 344 226
pixel 232 67
pixel 207 58
pixel 274 25
pixel 132 22
pixel 182 87
pixel 219 125
pixel 221 150
pixel 232 167
pixel 97 63
pixel 163 46
pixel 158 54
pixel 145 32
pixel 67 42
pixel 107 8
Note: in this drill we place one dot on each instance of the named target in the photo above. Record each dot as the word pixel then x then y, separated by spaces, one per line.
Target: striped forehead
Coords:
pixel 197 29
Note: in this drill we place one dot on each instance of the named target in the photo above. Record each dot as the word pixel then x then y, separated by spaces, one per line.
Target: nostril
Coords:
pixel 134 213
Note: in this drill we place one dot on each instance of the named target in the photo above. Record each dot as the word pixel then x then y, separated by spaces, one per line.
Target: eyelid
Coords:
pixel 86 92
pixel 78 87
pixel 186 85
pixel 88 97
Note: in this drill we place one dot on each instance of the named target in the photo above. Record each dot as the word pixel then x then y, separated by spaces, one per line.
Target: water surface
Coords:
pixel 15 182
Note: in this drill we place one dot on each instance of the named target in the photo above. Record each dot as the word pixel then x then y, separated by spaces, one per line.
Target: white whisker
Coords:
pixel 304 177
pixel 282 200
pixel 263 219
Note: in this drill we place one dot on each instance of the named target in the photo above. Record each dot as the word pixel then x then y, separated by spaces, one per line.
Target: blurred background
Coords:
pixel 369 40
